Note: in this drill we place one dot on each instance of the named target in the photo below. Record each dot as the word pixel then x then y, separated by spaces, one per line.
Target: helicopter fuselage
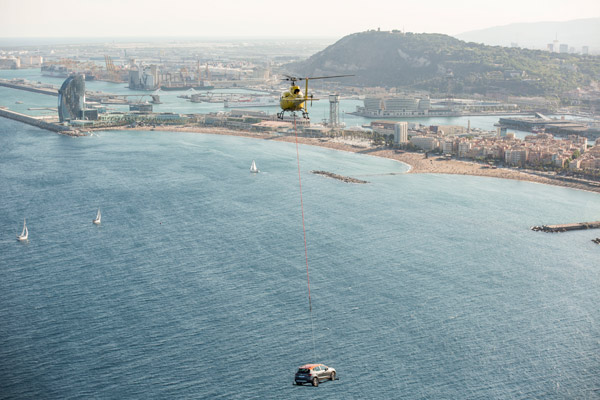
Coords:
pixel 292 100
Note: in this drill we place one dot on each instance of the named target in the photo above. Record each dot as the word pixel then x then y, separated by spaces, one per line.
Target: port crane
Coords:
pixel 294 100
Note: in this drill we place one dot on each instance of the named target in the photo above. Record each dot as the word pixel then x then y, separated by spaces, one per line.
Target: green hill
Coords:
pixel 442 64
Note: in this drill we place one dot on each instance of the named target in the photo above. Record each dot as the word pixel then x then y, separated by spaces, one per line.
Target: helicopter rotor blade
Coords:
pixel 322 77
pixel 294 78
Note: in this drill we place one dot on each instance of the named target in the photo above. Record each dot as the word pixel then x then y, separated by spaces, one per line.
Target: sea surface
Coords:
pixel 195 284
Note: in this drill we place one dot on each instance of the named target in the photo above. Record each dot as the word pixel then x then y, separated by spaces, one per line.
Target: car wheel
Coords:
pixel 332 376
pixel 299 383
pixel 315 381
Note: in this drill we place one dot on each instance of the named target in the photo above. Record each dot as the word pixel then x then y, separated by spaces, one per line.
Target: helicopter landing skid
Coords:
pixel 281 114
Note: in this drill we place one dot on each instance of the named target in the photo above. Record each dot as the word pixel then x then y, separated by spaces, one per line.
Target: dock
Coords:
pixel 100 97
pixel 28 87
pixel 566 227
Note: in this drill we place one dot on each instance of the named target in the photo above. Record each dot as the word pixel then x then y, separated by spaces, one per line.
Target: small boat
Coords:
pixel 98 218
pixel 251 102
pixel 253 167
pixel 25 234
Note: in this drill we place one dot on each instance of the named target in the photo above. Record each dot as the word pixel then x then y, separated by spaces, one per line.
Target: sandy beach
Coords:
pixel 418 162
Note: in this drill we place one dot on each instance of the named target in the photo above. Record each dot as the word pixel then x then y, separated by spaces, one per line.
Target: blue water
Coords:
pixel 194 286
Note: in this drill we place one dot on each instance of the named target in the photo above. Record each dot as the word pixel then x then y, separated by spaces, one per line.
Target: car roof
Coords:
pixel 310 366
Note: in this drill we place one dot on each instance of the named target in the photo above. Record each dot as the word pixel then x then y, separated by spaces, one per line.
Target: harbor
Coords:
pixel 145 250
pixel 87 110
pixel 542 123
pixel 91 96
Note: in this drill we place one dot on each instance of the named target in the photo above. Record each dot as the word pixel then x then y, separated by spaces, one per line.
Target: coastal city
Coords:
pixel 245 90
pixel 255 200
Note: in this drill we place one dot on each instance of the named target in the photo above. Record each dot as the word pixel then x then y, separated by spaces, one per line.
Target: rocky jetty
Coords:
pixel 346 179
pixel 566 227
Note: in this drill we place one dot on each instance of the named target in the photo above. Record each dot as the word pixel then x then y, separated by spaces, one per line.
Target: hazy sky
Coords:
pixel 270 18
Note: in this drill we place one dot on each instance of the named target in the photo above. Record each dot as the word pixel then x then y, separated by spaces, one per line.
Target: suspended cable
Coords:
pixel 304 232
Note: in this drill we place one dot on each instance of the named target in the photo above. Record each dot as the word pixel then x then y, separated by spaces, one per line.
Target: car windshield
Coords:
pixel 303 370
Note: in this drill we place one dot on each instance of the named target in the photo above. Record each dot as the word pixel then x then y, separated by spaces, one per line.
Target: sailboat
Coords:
pixel 25 234
pixel 98 218
pixel 253 167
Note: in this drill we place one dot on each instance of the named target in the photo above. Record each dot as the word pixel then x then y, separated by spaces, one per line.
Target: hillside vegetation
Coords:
pixel 442 64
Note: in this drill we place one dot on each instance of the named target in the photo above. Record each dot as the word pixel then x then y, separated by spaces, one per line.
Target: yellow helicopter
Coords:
pixel 294 100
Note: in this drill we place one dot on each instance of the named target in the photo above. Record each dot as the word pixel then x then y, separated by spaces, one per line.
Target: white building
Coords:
pixel 426 143
pixel 10 63
pixel 372 104
pixel 464 149
pixel 401 133
pixel 401 104
pixel 31 61
pixel 447 146
pixel 516 157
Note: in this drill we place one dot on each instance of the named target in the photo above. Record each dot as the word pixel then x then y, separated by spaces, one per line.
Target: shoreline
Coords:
pixel 417 162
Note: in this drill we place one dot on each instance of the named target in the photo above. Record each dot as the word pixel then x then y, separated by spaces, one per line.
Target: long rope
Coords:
pixel 305 247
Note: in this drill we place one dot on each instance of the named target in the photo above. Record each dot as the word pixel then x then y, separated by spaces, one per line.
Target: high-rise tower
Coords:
pixel 334 110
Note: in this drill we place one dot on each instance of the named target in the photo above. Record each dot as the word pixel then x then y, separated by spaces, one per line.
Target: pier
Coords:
pixel 29 87
pixel 100 97
pixel 37 122
pixel 566 227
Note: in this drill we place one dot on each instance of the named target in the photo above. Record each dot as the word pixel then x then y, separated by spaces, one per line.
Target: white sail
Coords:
pixel 98 218
pixel 25 233
pixel 253 167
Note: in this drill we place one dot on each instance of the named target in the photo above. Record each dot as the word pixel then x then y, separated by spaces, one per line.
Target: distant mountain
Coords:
pixel 537 35
pixel 442 64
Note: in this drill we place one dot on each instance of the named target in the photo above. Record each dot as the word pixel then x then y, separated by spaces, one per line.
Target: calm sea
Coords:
pixel 194 286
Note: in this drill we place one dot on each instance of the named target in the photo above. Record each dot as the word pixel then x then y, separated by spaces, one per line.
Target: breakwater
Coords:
pixel 29 88
pixel 346 179
pixel 104 98
pixel 567 227
pixel 37 122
